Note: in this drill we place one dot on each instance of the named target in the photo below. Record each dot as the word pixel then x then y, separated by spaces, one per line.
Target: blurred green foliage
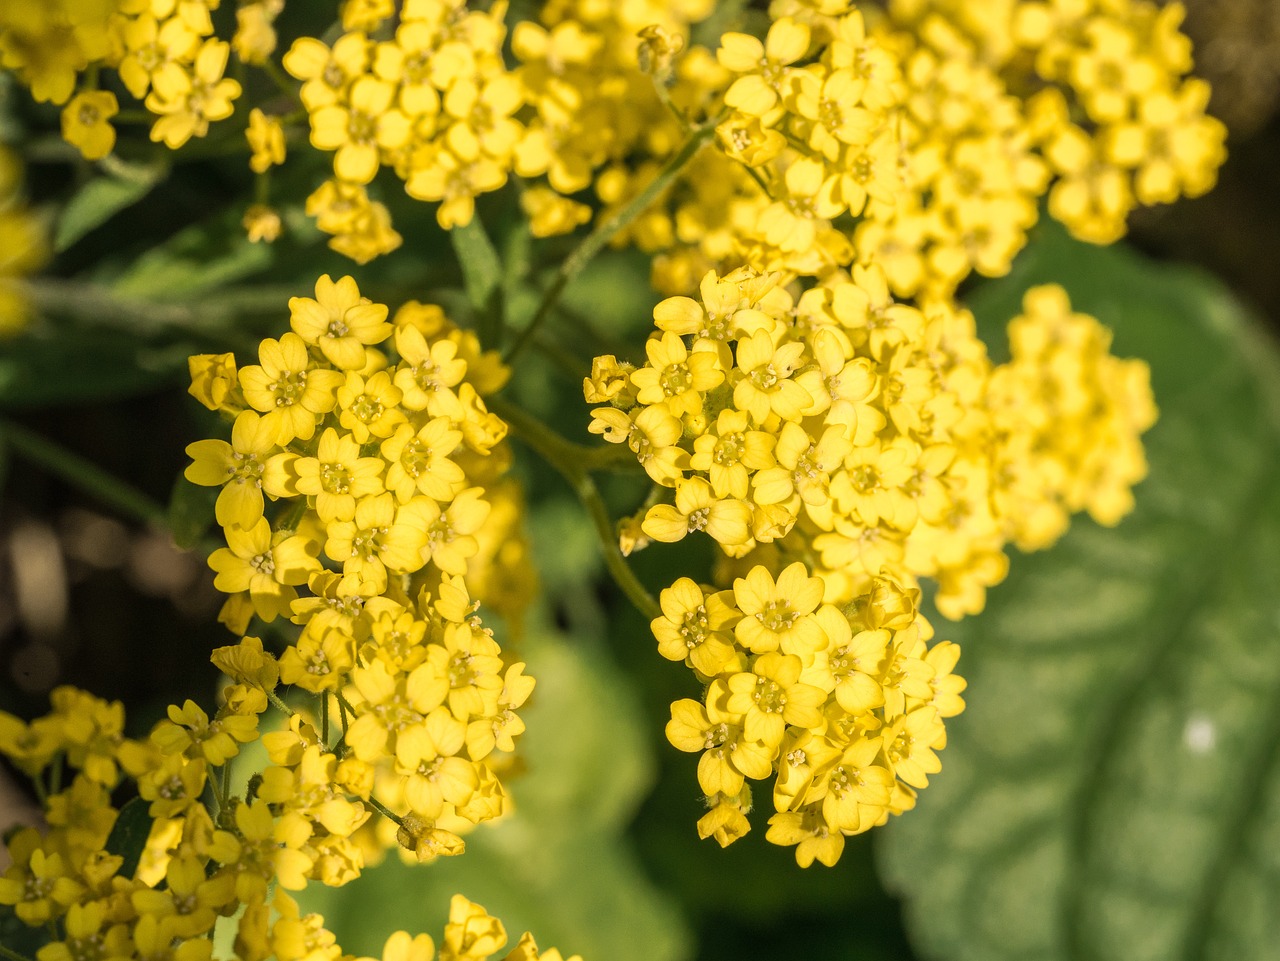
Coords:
pixel 1112 791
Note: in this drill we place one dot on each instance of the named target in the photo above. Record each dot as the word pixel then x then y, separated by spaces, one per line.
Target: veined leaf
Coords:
pixel 1113 791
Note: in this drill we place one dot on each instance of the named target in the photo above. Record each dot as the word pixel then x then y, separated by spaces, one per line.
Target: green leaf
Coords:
pixel 129 835
pixel 482 276
pixel 97 202
pixel 1113 790
pixel 558 865
pixel 71 366
pixel 190 512
pixel 203 257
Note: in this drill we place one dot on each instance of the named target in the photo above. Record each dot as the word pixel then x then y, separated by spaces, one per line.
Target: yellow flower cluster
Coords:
pixel 23 248
pixel 48 44
pixel 1108 102
pixel 387 469
pixel 844 706
pixel 195 871
pixel 437 104
pixel 434 103
pixel 592 74
pixel 164 52
pixel 923 140
pixel 857 441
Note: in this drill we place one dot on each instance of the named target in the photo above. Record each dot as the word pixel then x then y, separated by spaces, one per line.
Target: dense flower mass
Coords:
pixel 812 184
pixel 852 445
pixel 196 870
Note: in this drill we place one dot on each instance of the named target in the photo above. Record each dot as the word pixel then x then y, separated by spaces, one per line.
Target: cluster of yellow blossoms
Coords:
pixel 164 51
pixel 845 706
pixel 861 444
pixel 162 903
pixel 1106 99
pixel 387 468
pixel 921 135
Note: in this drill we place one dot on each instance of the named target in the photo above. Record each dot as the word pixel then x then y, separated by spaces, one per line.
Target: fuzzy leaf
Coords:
pixel 1113 791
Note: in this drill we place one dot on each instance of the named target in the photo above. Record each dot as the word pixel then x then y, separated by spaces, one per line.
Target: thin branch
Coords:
pixel 606 230
pixel 574 463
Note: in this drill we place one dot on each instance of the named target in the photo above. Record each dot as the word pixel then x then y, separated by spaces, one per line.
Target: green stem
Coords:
pixel 55 774
pixel 284 83
pixel 339 746
pixel 99 305
pixel 84 474
pixel 324 719
pixel 12 955
pixel 574 465
pixel 280 705
pixel 605 231
pixel 385 811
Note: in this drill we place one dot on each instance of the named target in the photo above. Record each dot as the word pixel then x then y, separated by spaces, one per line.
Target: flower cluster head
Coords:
pixel 843 708
pixel 1107 102
pixel 924 138
pixel 355 497
pixel 165 55
pixel 850 445
pixel 195 871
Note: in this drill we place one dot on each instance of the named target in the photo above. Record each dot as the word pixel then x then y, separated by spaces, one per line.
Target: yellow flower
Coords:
pixel 359 127
pixel 188 98
pixel 471 934
pixel 764 65
pixel 339 321
pixel 287 387
pixel 266 140
pixel 766 382
pixel 675 376
pixel 419 461
pixel 726 519
pixel 262 224
pixel 695 627
pixel 266 566
pixel 337 475
pixel 236 467
pixel 777 615
pixel 86 123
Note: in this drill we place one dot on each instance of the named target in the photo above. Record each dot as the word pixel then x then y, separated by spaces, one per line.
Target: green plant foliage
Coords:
pixel 97 202
pixel 45 368
pixel 1112 791
pixel 129 835
pixel 557 865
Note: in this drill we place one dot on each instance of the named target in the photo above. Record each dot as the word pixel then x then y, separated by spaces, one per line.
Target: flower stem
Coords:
pixel 605 231
pixel 11 955
pixel 574 462
pixel 385 811
pixel 84 474
pixel 280 705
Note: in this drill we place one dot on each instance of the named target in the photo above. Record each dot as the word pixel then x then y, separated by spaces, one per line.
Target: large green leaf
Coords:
pixel 558 866
pixel 1113 791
